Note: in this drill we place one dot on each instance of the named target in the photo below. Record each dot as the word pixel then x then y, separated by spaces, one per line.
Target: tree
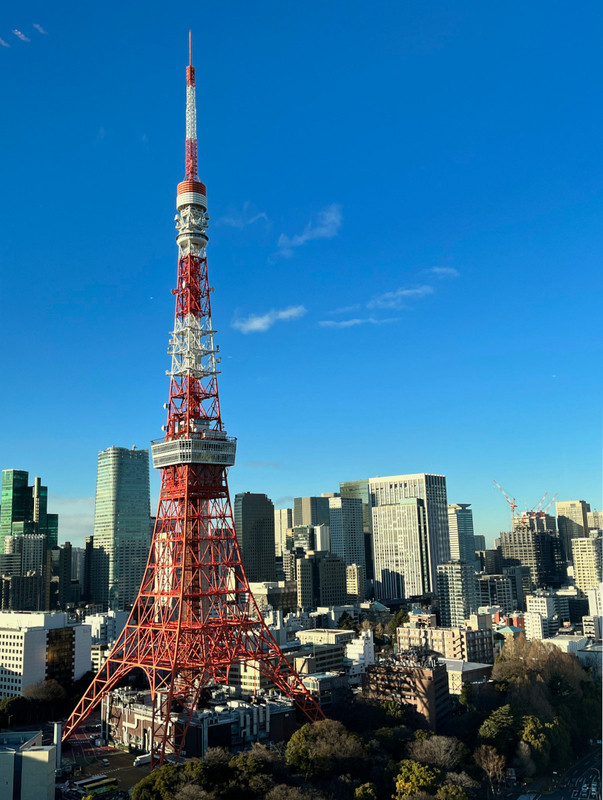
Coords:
pixel 439 751
pixel 533 733
pixel 190 791
pixel 414 777
pixel 393 711
pixel 451 792
pixel 498 728
pixel 284 792
pixel 346 622
pixel 44 691
pixel 366 791
pixel 492 763
pixel 523 761
pixel 399 618
pixel 316 747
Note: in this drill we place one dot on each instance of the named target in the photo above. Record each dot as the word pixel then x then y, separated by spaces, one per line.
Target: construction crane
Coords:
pixel 510 500
pixel 545 510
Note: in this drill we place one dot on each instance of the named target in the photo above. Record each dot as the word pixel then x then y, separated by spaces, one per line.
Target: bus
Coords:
pixel 101 787
pixel 85 781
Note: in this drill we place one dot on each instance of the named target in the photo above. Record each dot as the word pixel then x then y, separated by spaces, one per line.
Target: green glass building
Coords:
pixel 24 508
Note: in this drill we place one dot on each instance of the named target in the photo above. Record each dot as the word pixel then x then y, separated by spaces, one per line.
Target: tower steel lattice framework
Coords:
pixel 194 616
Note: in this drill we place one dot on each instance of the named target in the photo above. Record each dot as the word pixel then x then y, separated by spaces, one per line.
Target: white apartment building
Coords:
pixel 541 620
pixel 105 628
pixel 586 555
pixel 401 549
pixel 359 654
pixel 37 646
pixel 456 592
pixel 432 490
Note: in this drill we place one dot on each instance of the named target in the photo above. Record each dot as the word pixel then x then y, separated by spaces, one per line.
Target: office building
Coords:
pixel 538 550
pixel 122 526
pixel 594 520
pixel 311 511
pixel 106 627
pixel 401 549
pixel 572 523
pixel 254 524
pixel 32 549
pixel 24 509
pixel 418 681
pixel 479 542
pixel 27 767
pixel 595 601
pixel 40 646
pixel 460 527
pixel 346 524
pixel 78 560
pixel 432 490
pixel 586 556
pixel 88 569
pixel 541 618
pixel 355 583
pixel 277 595
pixel 59 577
pixel 283 522
pixel 456 592
pixel 496 590
pixel 24 593
pixel 321 580
pixel 360 491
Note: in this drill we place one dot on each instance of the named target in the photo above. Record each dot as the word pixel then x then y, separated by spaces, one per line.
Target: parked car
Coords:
pixel 105 762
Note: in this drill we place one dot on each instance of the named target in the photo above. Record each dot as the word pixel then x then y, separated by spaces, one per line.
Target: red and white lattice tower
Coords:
pixel 194 616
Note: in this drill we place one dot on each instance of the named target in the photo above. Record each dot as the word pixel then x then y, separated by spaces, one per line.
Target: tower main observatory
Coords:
pixel 194 616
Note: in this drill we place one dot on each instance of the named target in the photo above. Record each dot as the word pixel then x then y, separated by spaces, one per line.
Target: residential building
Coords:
pixel 592 627
pixel 321 580
pixel 541 619
pixel 278 595
pixel 538 550
pixel 359 654
pixel 32 547
pixel 460 527
pixel 360 490
pixel 456 592
pixel 572 522
pixel 417 681
pixel 595 601
pixel 283 522
pixel 41 646
pixel 106 627
pixel 586 557
pixel 432 490
pixel 346 523
pixel 24 509
pixel 311 511
pixel 474 641
pixel 27 767
pixel 401 549
pixel 254 524
pixel 122 524
pixel 355 583
pixel 462 672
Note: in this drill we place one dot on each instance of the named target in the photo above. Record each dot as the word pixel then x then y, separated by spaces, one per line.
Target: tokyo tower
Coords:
pixel 194 616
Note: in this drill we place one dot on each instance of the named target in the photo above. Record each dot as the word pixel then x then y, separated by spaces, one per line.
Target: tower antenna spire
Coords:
pixel 190 166
pixel 190 48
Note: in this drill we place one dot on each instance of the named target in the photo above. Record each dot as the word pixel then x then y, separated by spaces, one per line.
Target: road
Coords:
pixel 588 769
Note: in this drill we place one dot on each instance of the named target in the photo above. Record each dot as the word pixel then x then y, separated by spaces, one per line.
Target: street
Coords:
pixel 587 770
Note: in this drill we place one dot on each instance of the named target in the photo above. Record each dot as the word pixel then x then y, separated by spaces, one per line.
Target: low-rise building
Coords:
pixel 329 689
pixel 359 654
pixel 27 767
pixel 419 681
pixel 472 642
pixel 461 672
pixel 277 595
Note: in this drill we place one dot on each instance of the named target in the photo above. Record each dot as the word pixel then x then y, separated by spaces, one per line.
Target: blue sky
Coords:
pixel 406 238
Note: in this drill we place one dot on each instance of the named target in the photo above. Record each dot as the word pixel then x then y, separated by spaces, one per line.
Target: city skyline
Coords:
pixel 287 255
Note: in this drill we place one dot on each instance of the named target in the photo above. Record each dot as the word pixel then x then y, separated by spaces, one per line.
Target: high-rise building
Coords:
pixel 355 583
pixel 496 590
pixel 33 548
pixel 538 550
pixel 432 490
pixel 59 577
pixel 360 491
pixel 460 527
pixel 541 618
pixel 572 523
pixel 456 592
pixel 586 556
pixel 283 522
pixel 24 508
pixel 594 520
pixel 401 549
pixel 121 525
pixel 78 560
pixel 347 529
pixel 88 568
pixel 479 542
pixel 254 524
pixel 321 580
pixel 311 511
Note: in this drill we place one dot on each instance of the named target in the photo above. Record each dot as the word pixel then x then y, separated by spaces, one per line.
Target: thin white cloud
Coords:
pixel 3 43
pixel 240 219
pixel 76 517
pixel 346 309
pixel 327 226
pixel 262 464
pixel 444 272
pixel 396 299
pixel 258 323
pixel 21 36
pixel 351 323
pixel 39 28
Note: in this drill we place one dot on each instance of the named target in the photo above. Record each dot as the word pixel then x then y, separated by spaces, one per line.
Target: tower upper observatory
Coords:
pixel 191 191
